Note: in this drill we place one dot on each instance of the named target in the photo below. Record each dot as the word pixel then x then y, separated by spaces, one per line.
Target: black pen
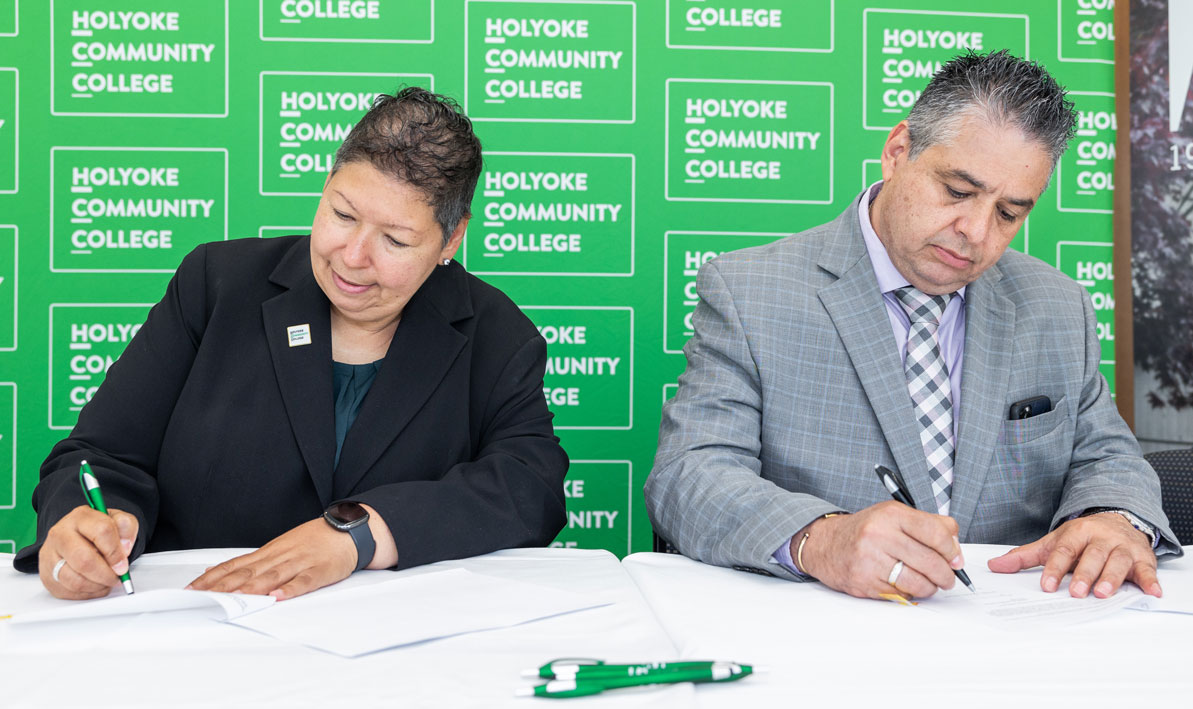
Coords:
pixel 894 484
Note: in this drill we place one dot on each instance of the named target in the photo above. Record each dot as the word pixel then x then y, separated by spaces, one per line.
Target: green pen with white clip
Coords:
pixel 582 685
pixel 573 668
pixel 95 499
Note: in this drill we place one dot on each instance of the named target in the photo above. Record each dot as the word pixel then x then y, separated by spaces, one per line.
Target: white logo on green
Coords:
pixel 122 210
pixel 8 447
pixel 389 21
pixel 133 58
pixel 775 25
pixel 684 252
pixel 8 130
pixel 1092 265
pixel 550 61
pixel 1085 30
pixel 589 371
pixel 902 49
pixel 597 493
pixel 1085 173
pixel 553 214
pixel 84 342
pixel 8 288
pixel 305 117
pixel 8 18
pixel 749 141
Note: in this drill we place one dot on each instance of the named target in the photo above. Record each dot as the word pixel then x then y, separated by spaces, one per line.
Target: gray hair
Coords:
pixel 424 140
pixel 999 87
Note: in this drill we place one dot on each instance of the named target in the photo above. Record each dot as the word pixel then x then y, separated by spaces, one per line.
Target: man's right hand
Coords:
pixel 855 553
pixel 96 548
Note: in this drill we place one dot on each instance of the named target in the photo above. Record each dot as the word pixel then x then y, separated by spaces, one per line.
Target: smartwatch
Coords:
pixel 352 518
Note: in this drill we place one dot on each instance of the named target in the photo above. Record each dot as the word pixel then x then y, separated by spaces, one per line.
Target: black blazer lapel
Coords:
pixel 304 371
pixel 423 349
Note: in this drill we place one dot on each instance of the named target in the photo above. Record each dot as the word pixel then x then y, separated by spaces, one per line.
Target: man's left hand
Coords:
pixel 308 557
pixel 1102 551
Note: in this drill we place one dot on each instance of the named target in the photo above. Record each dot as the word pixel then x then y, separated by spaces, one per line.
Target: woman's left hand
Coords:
pixel 308 557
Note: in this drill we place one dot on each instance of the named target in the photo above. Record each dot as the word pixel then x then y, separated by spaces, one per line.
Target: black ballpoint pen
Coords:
pixel 894 484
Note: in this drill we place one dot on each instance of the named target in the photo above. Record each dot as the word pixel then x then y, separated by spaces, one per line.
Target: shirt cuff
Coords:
pixel 782 557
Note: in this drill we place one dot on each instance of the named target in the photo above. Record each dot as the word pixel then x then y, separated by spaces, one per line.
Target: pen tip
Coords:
pixel 524 692
pixel 530 673
pixel 971 588
pixel 128 587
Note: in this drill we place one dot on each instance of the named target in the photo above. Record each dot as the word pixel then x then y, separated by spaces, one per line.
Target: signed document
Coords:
pixel 1008 599
pixel 411 609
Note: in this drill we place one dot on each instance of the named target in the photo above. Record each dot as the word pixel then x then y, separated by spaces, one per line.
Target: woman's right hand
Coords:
pixel 96 548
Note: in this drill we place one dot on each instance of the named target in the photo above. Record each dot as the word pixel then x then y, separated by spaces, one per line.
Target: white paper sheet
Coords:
pixel 1008 599
pixel 159 585
pixel 411 609
pixel 1004 607
pixel 223 606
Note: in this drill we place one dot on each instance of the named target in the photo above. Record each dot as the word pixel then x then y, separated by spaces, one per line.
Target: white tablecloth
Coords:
pixel 820 648
pixel 827 649
pixel 174 660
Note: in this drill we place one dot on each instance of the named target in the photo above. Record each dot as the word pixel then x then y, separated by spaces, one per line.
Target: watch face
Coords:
pixel 346 513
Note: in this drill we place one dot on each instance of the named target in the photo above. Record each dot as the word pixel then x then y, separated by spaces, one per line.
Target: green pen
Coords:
pixel 582 686
pixel 95 498
pixel 572 668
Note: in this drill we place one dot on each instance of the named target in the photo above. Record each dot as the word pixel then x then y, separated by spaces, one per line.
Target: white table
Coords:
pixel 821 648
pixel 824 648
pixel 173 660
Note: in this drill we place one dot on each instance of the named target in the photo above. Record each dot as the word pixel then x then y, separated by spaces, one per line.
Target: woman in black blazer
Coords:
pixel 343 400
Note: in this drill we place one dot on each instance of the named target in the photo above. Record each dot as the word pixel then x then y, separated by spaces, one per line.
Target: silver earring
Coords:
pixel 447 262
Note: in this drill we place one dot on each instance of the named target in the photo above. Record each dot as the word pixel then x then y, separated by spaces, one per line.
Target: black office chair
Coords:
pixel 1175 469
pixel 662 546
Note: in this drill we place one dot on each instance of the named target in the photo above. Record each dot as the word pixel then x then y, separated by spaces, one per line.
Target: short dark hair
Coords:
pixel 1000 87
pixel 422 139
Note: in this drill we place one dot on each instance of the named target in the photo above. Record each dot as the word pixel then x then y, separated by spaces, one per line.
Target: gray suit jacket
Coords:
pixel 794 390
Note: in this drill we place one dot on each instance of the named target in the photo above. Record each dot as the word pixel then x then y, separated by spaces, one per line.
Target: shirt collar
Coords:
pixel 889 277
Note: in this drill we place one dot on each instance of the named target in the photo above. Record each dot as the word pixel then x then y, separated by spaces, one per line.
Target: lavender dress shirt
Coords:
pixel 950 334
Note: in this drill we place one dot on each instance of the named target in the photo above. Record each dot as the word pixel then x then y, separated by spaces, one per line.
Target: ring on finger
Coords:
pixel 57 570
pixel 893 576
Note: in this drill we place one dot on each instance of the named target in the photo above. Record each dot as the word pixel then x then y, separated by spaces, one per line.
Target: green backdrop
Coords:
pixel 626 144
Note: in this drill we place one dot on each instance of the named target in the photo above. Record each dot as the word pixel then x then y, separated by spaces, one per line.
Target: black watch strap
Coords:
pixel 351 517
pixel 365 546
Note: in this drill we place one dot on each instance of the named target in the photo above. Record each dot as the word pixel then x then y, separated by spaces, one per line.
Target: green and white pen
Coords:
pixel 573 668
pixel 95 498
pixel 582 686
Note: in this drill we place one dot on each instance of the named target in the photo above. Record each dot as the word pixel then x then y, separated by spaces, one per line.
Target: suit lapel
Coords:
pixel 989 332
pixel 304 372
pixel 422 351
pixel 859 314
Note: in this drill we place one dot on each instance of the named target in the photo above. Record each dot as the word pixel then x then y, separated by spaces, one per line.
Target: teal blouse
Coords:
pixel 350 383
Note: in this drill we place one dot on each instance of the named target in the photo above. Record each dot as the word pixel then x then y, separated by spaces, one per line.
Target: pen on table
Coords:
pixel 895 485
pixel 572 668
pixel 582 686
pixel 95 499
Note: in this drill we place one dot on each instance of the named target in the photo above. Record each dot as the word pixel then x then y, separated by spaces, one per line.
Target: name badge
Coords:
pixel 299 334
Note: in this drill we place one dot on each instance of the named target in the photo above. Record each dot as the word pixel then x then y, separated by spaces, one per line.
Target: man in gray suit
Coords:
pixel 903 333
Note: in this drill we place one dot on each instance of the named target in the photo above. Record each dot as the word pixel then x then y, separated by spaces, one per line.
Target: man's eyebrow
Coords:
pixel 958 174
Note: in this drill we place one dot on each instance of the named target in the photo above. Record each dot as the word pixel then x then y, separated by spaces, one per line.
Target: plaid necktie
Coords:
pixel 928 384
